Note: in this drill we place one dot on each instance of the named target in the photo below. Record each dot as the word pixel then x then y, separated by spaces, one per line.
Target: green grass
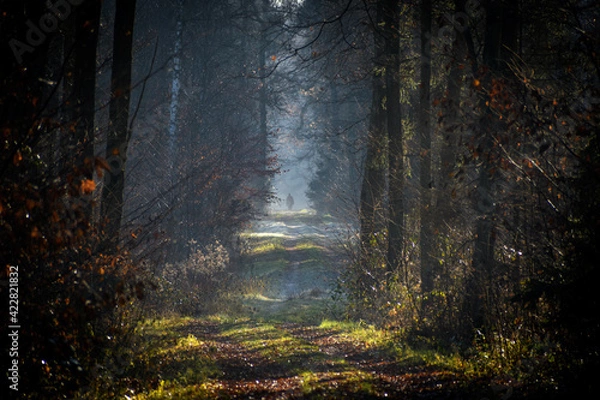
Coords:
pixel 268 245
pixel 369 335
pixel 182 359
pixel 177 363
pixel 357 382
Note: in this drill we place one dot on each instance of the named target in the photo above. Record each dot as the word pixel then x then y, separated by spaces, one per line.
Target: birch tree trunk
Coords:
pixel 175 83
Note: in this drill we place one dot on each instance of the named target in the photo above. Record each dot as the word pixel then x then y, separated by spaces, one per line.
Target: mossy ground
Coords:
pixel 225 357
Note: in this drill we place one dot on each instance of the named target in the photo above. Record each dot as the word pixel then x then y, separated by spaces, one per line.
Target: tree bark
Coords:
pixel 391 11
pixel 86 37
pixel 262 179
pixel 428 261
pixel 500 39
pixel 119 132
pixel 81 77
pixel 450 125
pixel 373 184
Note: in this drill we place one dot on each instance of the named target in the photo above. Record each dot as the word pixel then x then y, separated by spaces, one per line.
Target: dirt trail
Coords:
pixel 312 363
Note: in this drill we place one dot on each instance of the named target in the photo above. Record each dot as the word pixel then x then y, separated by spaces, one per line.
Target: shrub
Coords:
pixel 195 285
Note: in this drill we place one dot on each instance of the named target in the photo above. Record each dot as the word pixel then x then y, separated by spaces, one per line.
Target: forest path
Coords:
pixel 246 359
pixel 294 258
pixel 288 343
pixel 296 255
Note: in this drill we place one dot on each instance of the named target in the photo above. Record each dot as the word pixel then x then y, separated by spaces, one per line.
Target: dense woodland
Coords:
pixel 459 141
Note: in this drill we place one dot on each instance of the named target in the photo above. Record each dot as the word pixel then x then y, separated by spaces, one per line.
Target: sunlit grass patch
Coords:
pixel 349 382
pixel 309 381
pixel 391 343
pixel 308 245
pixel 160 333
pixel 275 247
pixel 247 328
pixel 226 319
pixel 268 246
pixel 265 235
pixel 187 361
pixel 163 324
pixel 276 345
pixel 266 257
pixel 368 335
pixel 265 338
pixel 189 341
pixel 431 357
pixel 260 297
pixel 307 250
pixel 285 214
pixel 177 361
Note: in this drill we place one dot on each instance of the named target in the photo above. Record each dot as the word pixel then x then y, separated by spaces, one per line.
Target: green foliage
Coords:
pixel 168 364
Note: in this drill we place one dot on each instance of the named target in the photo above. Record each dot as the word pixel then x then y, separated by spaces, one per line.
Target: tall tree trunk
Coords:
pixel 81 75
pixel 451 121
pixel 119 133
pixel 84 89
pixel 391 10
pixel 262 106
pixel 261 185
pixel 373 184
pixel 500 39
pixel 428 261
pixel 445 214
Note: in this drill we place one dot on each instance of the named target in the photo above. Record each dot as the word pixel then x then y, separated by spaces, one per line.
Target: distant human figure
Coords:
pixel 289 201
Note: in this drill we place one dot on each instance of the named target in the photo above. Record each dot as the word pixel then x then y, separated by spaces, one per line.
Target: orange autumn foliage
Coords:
pixel 87 186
